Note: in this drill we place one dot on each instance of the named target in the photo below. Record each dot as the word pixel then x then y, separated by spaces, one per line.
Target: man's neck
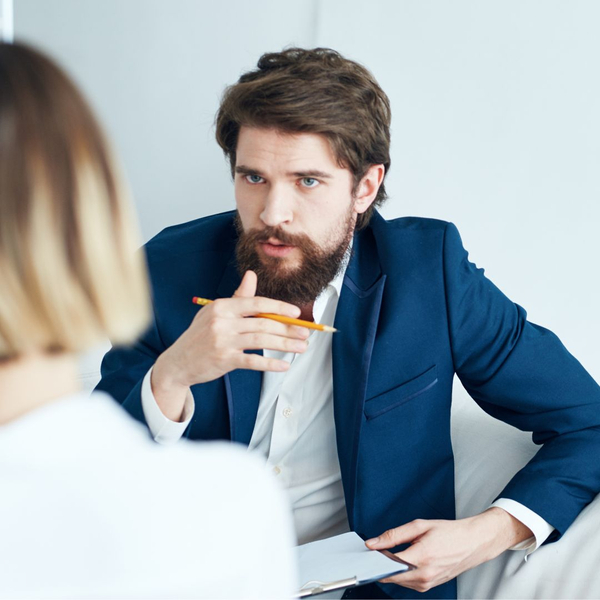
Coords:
pixel 33 380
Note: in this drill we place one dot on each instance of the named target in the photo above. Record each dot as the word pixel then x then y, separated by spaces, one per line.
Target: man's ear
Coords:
pixel 368 188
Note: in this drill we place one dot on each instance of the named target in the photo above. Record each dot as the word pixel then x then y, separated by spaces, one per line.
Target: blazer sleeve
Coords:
pixel 521 373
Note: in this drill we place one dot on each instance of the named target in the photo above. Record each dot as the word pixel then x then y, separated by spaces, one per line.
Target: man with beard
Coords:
pixel 356 425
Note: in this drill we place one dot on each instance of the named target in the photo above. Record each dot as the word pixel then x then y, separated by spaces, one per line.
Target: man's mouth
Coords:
pixel 273 247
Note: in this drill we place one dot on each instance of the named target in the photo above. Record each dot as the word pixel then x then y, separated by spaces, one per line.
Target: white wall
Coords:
pixel 155 71
pixel 496 118
pixel 6 20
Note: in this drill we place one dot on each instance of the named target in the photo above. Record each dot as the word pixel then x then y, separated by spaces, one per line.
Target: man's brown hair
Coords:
pixel 313 91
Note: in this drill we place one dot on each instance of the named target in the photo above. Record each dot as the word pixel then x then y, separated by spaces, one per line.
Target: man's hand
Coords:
pixel 441 550
pixel 214 344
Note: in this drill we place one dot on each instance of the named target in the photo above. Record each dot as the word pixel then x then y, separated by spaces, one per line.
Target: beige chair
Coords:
pixel 488 453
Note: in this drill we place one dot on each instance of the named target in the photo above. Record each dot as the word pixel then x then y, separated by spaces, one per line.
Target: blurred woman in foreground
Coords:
pixel 83 513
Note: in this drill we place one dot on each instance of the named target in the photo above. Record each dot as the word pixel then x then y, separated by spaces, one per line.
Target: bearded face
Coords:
pixel 297 207
pixel 298 284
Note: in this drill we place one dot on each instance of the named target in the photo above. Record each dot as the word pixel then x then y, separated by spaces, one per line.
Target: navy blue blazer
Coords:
pixel 413 311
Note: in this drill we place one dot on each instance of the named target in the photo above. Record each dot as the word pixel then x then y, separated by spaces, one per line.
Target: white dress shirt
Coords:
pixel 295 432
pixel 91 507
pixel 295 429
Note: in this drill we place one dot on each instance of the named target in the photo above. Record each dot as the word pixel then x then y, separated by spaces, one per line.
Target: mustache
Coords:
pixel 289 239
pixel 301 285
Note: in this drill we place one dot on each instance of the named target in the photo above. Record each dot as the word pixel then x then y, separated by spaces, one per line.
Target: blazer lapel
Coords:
pixel 356 320
pixel 242 386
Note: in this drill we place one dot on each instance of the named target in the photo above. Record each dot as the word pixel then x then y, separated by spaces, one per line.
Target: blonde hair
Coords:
pixel 70 274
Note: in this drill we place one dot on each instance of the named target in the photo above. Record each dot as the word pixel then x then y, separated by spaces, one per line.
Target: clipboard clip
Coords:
pixel 319 587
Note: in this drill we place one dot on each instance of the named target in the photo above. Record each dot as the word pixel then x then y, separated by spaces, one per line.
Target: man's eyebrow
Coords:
pixel 243 170
pixel 312 173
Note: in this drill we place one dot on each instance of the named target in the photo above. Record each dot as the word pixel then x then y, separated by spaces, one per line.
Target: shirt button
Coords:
pixel 287 412
pixel 276 470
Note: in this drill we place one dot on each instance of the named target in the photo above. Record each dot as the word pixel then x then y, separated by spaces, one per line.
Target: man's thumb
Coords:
pixel 247 288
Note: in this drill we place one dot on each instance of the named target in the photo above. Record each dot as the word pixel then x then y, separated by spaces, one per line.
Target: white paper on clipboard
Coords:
pixel 339 562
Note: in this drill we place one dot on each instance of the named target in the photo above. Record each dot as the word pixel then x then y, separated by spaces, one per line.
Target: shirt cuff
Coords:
pixel 162 429
pixel 540 528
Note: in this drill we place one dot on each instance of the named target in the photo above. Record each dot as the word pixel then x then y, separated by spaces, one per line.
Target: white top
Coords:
pixel 91 507
pixel 295 432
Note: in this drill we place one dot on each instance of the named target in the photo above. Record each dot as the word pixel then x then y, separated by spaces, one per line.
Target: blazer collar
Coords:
pixel 364 269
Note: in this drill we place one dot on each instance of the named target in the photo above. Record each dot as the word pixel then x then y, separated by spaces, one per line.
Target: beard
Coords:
pixel 299 285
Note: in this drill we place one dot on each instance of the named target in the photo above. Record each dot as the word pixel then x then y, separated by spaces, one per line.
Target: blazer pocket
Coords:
pixel 402 393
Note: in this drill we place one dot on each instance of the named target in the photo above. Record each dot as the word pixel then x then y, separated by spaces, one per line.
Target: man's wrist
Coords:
pixel 506 530
pixel 538 525
pixel 163 429
pixel 170 393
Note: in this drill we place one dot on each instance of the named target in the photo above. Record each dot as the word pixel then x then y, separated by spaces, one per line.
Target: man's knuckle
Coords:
pixel 248 360
pixel 214 324
pixel 217 307
pixel 427 576
pixel 388 534
pixel 427 573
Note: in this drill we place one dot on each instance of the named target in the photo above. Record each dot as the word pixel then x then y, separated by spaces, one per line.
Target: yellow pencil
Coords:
pixel 280 318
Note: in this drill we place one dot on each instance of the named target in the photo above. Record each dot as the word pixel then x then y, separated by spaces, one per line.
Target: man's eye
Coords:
pixel 254 179
pixel 309 182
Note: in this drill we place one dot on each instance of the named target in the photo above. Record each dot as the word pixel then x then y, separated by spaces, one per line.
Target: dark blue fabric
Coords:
pixel 413 312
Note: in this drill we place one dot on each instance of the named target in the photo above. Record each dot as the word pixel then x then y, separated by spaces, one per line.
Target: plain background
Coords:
pixel 496 118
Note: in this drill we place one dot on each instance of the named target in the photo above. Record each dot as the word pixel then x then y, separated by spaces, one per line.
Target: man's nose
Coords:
pixel 278 207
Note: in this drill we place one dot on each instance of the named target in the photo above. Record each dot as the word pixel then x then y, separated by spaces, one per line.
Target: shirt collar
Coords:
pixel 333 289
pixel 338 280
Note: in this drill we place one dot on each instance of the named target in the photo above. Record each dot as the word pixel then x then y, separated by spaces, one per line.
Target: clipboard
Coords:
pixel 343 561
